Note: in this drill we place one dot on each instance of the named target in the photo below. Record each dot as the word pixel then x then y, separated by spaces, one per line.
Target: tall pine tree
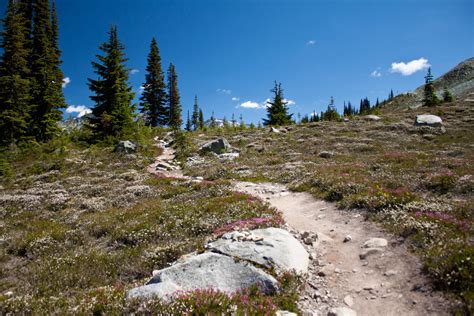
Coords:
pixel 277 111
pixel 195 117
pixel 175 119
pixel 113 111
pixel 201 120
pixel 48 98
pixel 154 98
pixel 14 82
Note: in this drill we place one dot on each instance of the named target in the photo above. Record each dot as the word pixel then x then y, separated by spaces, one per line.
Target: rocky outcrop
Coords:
pixel 207 270
pixel 126 147
pixel 218 146
pixel 273 248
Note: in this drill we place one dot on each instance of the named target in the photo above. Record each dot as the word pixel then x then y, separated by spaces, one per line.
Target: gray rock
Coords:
pixel 429 120
pixel 207 270
pixel 285 313
pixel 326 154
pixel 218 146
pixel 341 311
pixel 126 147
pixel 274 130
pixel 269 247
pixel 229 156
pixel 348 300
pixel 372 118
pixel 375 243
pixel 368 252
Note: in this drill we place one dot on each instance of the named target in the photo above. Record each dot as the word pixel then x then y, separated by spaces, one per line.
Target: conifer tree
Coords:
pixel 154 98
pixel 195 117
pixel 447 96
pixel 47 94
pixel 430 98
pixel 113 111
pixel 175 119
pixel 189 126
pixel 201 120
pixel 277 111
pixel 14 72
pixel 25 8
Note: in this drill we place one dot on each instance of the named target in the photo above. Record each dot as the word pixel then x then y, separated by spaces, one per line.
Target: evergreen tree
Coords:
pixel 377 104
pixel 47 77
pixel 195 117
pixel 113 111
pixel 242 122
pixel 14 72
pixel 234 121
pixel 154 99
pixel 201 120
pixel 447 96
pixel 430 98
pixel 277 112
pixel 175 119
pixel 189 126
pixel 390 96
pixel 25 8
pixel 213 123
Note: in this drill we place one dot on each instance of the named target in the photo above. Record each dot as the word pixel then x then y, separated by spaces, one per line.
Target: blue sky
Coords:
pixel 229 52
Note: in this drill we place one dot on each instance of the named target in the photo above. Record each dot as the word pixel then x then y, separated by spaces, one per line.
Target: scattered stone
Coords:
pixel 428 120
pixel 126 147
pixel 274 130
pixel 274 248
pixel 348 300
pixel 229 156
pixel 347 238
pixel 429 136
pixel 372 118
pixel 390 272
pixel 368 252
pixel 207 270
pixel 341 311
pixel 326 154
pixel 375 243
pixel 285 313
pixel 218 146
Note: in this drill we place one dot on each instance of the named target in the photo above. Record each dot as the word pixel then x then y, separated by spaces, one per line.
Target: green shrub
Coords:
pixel 6 171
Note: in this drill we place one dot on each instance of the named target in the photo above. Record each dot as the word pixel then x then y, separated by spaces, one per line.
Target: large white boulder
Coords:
pixel 204 271
pixel 428 120
pixel 270 247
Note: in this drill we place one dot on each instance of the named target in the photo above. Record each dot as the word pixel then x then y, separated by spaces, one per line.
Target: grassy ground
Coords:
pixel 416 181
pixel 79 226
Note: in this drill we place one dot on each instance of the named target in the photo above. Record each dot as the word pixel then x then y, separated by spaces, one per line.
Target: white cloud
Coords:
pixel 225 91
pixel 311 42
pixel 81 110
pixel 289 102
pixel 66 81
pixel 235 99
pixel 134 71
pixel 250 105
pixel 376 73
pixel 407 69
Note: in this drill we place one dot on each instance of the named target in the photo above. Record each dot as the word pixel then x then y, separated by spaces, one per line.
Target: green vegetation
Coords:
pixel 429 97
pixel 175 119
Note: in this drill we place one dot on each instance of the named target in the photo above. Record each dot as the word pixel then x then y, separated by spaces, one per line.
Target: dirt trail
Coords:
pixel 386 283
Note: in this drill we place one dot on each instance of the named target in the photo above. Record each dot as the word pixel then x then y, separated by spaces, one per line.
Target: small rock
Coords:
pixel 368 252
pixel 372 118
pixel 326 154
pixel 347 238
pixel 390 272
pixel 375 243
pixel 341 311
pixel 337 270
pixel 285 313
pixel 274 130
pixel 348 300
